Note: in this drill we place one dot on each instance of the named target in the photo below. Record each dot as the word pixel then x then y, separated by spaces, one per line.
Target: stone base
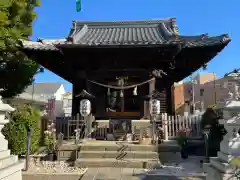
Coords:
pixel 222 166
pixel 215 174
pixel 12 172
pixel 10 166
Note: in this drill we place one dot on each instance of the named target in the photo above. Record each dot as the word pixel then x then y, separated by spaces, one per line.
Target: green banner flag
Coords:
pixel 78 5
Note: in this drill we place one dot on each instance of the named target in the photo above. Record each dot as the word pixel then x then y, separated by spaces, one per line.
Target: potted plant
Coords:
pixel 50 141
pixel 182 140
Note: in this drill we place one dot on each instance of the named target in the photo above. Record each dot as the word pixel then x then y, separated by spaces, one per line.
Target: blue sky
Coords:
pixel 193 17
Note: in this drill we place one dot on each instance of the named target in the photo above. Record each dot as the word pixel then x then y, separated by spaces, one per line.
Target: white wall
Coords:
pixel 59 93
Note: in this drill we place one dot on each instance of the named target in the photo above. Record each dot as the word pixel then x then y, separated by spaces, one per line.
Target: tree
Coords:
pixel 16 70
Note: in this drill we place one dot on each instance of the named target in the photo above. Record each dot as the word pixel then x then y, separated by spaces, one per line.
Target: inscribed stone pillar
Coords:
pixel 10 166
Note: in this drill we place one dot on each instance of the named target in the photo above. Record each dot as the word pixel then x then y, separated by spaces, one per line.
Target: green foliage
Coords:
pixel 16 70
pixel 15 131
pixel 210 121
pixel 49 142
pixel 50 136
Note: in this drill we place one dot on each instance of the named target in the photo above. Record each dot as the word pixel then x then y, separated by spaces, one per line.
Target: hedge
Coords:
pixel 22 119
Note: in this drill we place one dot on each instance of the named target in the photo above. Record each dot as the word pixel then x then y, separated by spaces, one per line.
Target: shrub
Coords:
pixel 21 120
pixel 216 131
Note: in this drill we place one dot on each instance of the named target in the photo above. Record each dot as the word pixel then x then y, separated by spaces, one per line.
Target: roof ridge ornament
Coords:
pixel 204 36
pixel 226 38
pixel 175 26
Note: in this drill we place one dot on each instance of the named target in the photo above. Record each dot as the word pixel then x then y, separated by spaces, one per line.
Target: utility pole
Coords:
pixel 214 86
pixel 193 93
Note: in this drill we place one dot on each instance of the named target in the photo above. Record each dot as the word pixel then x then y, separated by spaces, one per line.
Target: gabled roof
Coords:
pixel 125 33
pixel 43 88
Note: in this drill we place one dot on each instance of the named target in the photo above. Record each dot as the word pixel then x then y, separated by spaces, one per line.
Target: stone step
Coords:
pixel 12 171
pixel 169 146
pixel 8 161
pixel 4 153
pixel 117 147
pixel 118 155
pixel 170 157
pixel 112 162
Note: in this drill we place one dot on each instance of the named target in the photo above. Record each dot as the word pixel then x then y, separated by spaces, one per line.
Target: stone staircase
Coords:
pixel 117 154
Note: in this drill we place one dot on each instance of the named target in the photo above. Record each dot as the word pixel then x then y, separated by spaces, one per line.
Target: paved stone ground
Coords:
pixel 127 174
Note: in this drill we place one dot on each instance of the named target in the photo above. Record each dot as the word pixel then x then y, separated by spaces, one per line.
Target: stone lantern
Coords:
pixel 10 166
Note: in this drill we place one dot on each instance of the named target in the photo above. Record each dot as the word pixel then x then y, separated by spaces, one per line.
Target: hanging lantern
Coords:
pixel 78 5
pixel 154 107
pixel 85 107
pixel 135 91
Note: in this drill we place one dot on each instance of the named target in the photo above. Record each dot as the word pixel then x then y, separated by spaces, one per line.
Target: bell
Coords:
pixel 121 93
pixel 135 91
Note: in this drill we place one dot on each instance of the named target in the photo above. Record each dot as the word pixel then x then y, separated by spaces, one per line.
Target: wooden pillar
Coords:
pixel 152 86
pixel 100 100
pixel 169 93
pixel 163 88
pixel 74 100
pixel 144 91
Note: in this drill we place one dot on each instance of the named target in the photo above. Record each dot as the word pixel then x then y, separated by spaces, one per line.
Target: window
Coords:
pixel 201 92
pixel 67 103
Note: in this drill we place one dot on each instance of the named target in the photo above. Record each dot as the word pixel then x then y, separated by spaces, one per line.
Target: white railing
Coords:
pixel 172 124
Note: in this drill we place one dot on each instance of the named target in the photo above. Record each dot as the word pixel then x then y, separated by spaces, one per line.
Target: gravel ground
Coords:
pixel 45 170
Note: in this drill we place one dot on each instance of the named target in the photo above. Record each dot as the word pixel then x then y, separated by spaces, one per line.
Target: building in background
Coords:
pixel 204 78
pixel 25 98
pixel 208 90
pixel 67 103
pixel 178 97
pixel 47 91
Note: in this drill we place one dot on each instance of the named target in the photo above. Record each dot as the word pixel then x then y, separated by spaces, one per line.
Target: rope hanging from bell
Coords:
pixel 78 5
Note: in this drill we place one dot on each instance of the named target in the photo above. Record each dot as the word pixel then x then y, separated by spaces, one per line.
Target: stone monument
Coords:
pixel 10 166
pixel 220 168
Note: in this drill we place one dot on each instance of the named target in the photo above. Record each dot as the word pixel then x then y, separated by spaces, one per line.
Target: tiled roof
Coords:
pixel 38 46
pixel 153 32
pixel 122 33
